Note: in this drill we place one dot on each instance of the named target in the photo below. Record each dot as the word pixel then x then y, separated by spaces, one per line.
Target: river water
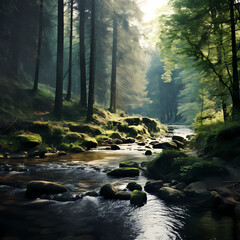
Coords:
pixel 94 218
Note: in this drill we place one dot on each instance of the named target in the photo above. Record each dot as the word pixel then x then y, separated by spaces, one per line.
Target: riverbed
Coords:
pixel 94 218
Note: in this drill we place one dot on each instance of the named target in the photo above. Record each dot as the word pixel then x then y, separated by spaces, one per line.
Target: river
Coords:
pixel 94 218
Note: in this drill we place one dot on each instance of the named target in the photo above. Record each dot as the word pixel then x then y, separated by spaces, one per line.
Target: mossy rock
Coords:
pixel 37 188
pixel 72 137
pixel 124 172
pixel 134 186
pixel 76 149
pixel 40 127
pixel 89 143
pixel 85 128
pixel 108 191
pixel 29 140
pixel 38 151
pixel 129 164
pixel 129 140
pixel 65 147
pixel 133 120
pixel 170 194
pixel 123 195
pixel 138 198
pixel 165 145
pixel 152 124
pixel 116 135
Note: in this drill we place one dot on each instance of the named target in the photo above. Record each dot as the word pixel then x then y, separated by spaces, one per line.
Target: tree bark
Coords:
pixel 59 73
pixel 113 101
pixel 92 66
pixel 83 95
pixel 69 90
pixel 35 87
pixel 235 87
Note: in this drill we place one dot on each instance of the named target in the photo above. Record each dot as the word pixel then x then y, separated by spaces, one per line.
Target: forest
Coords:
pixel 123 114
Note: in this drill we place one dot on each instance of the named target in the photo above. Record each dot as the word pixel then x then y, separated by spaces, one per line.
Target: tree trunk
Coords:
pixel 59 74
pixel 92 66
pixel 68 97
pixel 83 95
pixel 113 101
pixel 35 87
pixel 235 87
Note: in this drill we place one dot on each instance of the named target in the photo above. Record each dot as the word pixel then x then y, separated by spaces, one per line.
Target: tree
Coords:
pixel 83 95
pixel 35 87
pixel 114 68
pixel 92 66
pixel 68 97
pixel 59 74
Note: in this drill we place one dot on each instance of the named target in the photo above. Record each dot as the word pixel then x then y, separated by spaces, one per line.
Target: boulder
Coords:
pixel 76 149
pixel 179 144
pixel 116 135
pixel 153 186
pixel 171 194
pixel 179 138
pixel 180 186
pixel 123 195
pixel 29 140
pixel 196 189
pixel 37 188
pixel 129 164
pixel 115 147
pixel 170 145
pixel 141 143
pixel 138 198
pixel 89 143
pixel 129 140
pixel 134 186
pixel 124 172
pixel 108 191
pixel 118 141
pixel 148 153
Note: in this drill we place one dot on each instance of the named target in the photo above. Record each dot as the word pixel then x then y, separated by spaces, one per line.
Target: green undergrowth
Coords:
pixel 219 140
pixel 174 164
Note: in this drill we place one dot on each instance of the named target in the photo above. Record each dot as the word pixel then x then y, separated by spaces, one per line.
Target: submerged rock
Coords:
pixel 129 164
pixel 108 191
pixel 124 172
pixel 134 186
pixel 170 194
pixel 37 188
pixel 123 195
pixel 138 198
pixel 153 186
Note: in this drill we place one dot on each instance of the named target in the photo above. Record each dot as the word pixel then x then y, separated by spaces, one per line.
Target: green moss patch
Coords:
pixel 129 164
pixel 29 140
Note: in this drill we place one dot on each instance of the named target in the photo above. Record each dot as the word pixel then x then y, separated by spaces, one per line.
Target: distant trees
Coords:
pixel 206 33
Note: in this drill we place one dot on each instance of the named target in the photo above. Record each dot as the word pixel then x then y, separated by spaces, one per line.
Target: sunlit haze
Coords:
pixel 149 8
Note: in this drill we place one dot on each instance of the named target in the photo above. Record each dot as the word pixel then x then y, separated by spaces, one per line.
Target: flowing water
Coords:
pixel 94 218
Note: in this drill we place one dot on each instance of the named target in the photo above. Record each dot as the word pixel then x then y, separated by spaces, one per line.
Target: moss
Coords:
pixel 134 186
pixel 86 128
pixel 29 140
pixel 129 164
pixel 138 198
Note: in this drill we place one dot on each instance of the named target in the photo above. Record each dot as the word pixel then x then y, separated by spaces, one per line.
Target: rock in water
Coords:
pixel 129 164
pixel 134 186
pixel 124 172
pixel 148 153
pixel 153 186
pixel 108 191
pixel 37 188
pixel 115 147
pixel 123 195
pixel 138 198
pixel 170 194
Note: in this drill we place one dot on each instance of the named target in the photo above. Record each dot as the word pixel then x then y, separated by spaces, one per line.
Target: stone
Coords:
pixel 179 144
pixel 116 135
pixel 178 138
pixel 148 153
pixel 196 189
pixel 115 147
pixel 138 198
pixel 153 186
pixel 123 195
pixel 171 194
pixel 180 186
pixel 170 145
pixel 134 186
pixel 29 140
pixel 129 164
pixel 37 188
pixel 129 140
pixel 108 191
pixel 124 172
